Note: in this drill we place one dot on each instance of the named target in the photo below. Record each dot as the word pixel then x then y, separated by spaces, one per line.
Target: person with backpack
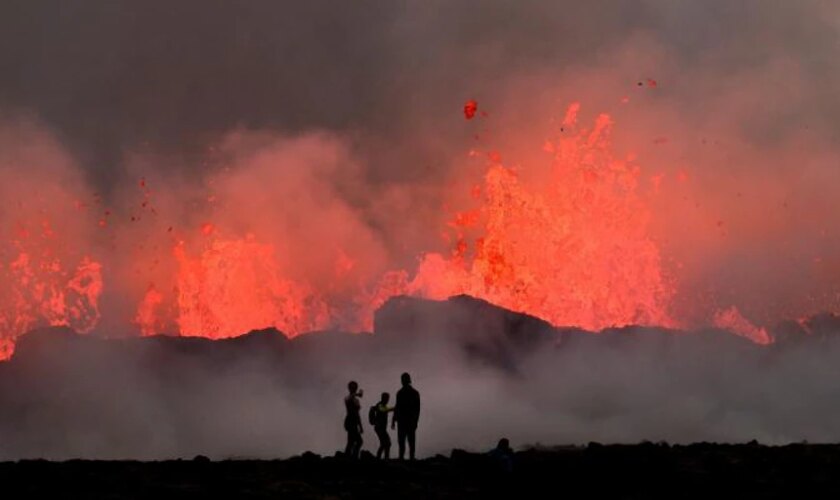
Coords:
pixel 378 418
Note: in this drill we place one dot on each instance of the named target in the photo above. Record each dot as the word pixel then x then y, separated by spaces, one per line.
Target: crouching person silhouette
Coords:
pixel 378 417
pixel 406 415
pixel 353 421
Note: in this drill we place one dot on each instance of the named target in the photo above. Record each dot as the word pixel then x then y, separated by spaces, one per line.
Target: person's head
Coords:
pixel 405 379
pixel 385 398
pixel 352 387
pixel 504 444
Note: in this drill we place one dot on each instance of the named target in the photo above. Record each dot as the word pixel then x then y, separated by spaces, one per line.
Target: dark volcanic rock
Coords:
pixel 647 470
pixel 485 331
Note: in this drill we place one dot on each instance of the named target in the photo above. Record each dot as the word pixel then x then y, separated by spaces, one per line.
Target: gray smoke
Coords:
pixel 115 76
pixel 482 375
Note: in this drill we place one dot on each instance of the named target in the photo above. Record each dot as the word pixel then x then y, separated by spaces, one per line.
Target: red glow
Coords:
pixel 566 238
pixel 41 288
pixel 573 248
pixel 148 314
pixel 233 286
pixel 731 319
pixel 470 108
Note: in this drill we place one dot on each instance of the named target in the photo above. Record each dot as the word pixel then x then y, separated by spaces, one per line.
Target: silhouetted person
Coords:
pixel 379 420
pixel 353 421
pixel 503 455
pixel 406 415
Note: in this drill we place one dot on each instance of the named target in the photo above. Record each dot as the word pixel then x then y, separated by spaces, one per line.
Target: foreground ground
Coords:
pixel 639 471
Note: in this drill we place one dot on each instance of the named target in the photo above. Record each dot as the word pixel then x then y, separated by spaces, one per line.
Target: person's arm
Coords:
pixel 418 407
pixel 394 418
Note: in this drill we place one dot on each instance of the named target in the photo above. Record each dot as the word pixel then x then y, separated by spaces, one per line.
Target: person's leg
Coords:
pixel 381 448
pixel 350 443
pixel 387 444
pixel 411 435
pixel 359 443
pixel 354 443
pixel 401 440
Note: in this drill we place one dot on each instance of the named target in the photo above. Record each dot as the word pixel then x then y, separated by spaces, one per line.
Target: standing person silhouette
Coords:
pixel 353 421
pixel 379 419
pixel 406 415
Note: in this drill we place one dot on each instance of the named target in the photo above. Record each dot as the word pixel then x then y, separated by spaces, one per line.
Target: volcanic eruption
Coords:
pixel 565 238
pixel 609 215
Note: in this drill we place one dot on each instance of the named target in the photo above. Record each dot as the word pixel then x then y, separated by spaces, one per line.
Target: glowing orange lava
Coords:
pixel 566 239
pixel 148 317
pixel 470 108
pixel 235 286
pixel 731 319
pixel 42 287
pixel 573 249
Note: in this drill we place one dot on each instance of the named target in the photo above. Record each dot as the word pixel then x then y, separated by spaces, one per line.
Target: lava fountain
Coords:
pixel 569 242
pixel 573 249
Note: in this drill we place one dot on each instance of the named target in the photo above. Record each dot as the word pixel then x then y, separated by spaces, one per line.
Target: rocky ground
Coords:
pixel 637 471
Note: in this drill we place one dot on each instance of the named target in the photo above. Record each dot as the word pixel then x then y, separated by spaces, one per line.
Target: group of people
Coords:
pixel 406 414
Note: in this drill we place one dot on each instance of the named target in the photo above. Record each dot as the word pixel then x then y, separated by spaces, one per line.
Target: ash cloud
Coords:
pixel 117 76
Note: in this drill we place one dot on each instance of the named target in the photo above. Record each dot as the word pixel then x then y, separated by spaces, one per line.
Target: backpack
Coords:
pixel 373 414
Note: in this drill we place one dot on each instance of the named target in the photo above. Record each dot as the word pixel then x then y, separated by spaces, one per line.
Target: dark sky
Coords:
pixel 113 75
